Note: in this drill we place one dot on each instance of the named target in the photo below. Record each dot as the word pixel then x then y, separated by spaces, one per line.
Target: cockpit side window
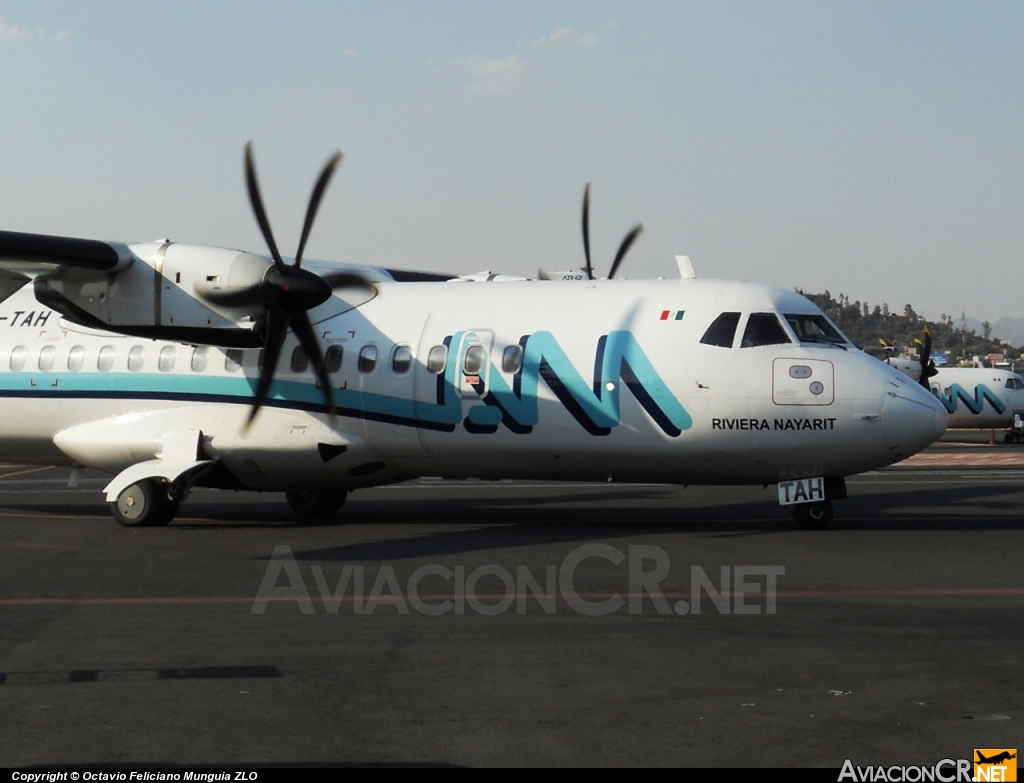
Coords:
pixel 722 330
pixel 763 329
pixel 815 329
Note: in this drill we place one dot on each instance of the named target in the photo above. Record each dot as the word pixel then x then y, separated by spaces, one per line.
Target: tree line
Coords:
pixel 866 325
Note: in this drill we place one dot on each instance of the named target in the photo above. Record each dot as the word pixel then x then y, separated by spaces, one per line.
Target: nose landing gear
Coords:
pixel 813 516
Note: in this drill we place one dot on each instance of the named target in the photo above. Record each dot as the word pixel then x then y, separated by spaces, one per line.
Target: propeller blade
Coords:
pixel 348 280
pixel 624 248
pixel 257 207
pixel 277 331
pixel 927 365
pixel 542 275
pixel 307 339
pixel 314 202
pixel 259 294
pixel 589 269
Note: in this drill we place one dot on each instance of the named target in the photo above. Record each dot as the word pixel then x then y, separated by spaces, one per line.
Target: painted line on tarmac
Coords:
pixel 25 472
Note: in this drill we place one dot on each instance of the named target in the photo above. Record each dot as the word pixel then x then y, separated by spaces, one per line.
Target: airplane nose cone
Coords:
pixel 913 418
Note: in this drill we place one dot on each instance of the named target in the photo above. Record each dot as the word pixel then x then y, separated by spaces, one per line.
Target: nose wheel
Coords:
pixel 813 516
pixel 144 504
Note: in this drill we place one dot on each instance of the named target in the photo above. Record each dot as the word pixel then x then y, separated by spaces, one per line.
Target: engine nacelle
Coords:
pixel 159 294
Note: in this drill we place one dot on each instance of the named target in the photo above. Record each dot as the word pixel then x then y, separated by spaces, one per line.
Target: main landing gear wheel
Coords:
pixel 144 504
pixel 312 502
pixel 813 516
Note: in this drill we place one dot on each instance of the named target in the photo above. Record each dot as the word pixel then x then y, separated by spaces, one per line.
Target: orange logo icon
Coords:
pixel 995 764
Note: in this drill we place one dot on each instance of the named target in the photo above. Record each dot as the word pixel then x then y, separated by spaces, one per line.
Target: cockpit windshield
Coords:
pixel 763 329
pixel 815 329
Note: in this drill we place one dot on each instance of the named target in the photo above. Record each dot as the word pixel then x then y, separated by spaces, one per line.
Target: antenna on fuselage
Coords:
pixel 685 268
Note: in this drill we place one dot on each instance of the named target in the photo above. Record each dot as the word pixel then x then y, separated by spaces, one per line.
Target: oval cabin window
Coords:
pixel 105 359
pixel 136 358
pixel 168 354
pixel 199 359
pixel 76 358
pixel 401 359
pixel 437 359
pixel 46 358
pixel 18 358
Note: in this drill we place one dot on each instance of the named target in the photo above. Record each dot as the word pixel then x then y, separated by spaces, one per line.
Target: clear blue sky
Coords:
pixel 876 149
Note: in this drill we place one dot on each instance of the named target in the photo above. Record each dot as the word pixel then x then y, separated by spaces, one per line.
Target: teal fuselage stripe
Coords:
pixel 595 404
pixel 238 390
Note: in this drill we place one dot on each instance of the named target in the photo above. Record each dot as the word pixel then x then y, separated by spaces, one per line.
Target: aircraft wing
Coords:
pixel 23 257
pixel 34 254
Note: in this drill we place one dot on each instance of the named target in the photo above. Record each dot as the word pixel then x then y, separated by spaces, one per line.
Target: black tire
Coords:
pixel 813 516
pixel 315 502
pixel 144 504
pixel 1009 438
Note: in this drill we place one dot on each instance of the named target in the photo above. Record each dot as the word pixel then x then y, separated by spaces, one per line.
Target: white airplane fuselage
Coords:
pixel 591 381
pixel 974 397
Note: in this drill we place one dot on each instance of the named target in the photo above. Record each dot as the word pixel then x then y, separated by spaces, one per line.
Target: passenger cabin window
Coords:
pixel 136 356
pixel 46 354
pixel 18 358
pixel 300 360
pixel 401 359
pixel 367 358
pixel 168 355
pixel 763 329
pixel 512 359
pixel 105 359
pixel 474 360
pixel 722 330
pixel 233 360
pixel 333 358
pixel 200 357
pixel 815 329
pixel 76 358
pixel 437 359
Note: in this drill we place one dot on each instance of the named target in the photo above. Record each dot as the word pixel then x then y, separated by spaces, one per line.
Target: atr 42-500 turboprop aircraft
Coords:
pixel 145 361
pixel 975 397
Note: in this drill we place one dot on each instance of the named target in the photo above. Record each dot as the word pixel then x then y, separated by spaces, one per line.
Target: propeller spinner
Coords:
pixel 288 293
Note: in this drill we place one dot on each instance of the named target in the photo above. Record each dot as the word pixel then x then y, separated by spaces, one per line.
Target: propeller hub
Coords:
pixel 297 289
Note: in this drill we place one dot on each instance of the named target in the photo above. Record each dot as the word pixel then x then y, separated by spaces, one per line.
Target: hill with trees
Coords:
pixel 866 325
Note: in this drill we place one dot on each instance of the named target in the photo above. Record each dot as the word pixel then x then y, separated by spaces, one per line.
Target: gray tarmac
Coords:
pixel 895 638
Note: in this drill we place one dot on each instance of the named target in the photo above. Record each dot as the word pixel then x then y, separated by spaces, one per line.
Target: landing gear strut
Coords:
pixel 312 502
pixel 813 516
pixel 144 504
